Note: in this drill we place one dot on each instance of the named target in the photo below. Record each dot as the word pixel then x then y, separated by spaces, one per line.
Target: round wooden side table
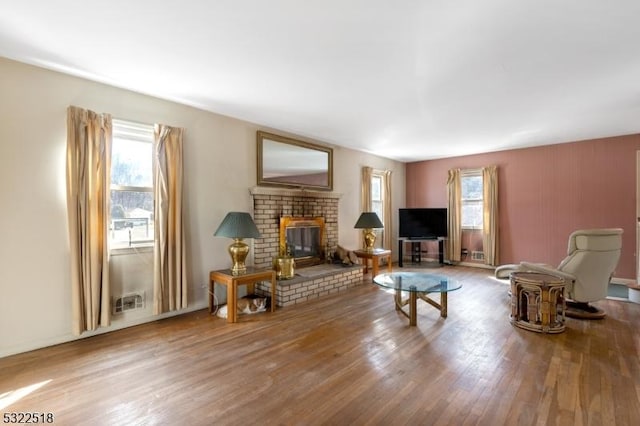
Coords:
pixel 537 302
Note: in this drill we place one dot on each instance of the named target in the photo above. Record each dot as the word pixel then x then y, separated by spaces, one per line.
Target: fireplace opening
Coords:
pixel 303 236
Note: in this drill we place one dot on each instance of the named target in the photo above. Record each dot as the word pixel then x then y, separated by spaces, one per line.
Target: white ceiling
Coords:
pixel 408 80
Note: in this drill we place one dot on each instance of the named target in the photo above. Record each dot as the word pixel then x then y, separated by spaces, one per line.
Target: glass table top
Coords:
pixel 417 282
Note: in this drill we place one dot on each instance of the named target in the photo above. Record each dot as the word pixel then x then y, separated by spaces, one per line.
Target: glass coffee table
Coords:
pixel 418 285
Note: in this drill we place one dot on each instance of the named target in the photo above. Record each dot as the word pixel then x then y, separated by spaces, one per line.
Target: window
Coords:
pixel 131 216
pixel 376 195
pixel 471 183
pixel 377 203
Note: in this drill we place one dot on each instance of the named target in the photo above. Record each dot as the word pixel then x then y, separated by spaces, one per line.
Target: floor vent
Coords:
pixel 477 255
pixel 128 302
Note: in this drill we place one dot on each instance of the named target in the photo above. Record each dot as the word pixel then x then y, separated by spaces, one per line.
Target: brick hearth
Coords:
pixel 301 289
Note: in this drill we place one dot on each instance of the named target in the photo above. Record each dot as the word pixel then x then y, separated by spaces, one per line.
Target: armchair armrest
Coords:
pixel 545 269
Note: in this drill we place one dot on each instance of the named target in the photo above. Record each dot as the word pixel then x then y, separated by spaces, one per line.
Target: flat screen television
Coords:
pixel 423 223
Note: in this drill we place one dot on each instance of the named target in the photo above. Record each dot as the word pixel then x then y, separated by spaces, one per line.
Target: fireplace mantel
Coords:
pixel 293 192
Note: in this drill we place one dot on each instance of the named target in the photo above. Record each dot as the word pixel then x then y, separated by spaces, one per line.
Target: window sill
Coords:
pixel 136 249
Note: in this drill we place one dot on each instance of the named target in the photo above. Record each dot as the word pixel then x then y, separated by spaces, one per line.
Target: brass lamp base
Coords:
pixel 369 239
pixel 238 252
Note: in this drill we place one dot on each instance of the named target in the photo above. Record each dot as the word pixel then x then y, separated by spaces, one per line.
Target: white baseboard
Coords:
pixel 43 343
pixel 471 264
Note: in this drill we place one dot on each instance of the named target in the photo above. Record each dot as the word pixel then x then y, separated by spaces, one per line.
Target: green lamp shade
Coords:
pixel 238 225
pixel 368 220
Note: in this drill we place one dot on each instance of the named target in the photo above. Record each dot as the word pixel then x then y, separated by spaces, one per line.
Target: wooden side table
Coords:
pixel 232 282
pixel 375 257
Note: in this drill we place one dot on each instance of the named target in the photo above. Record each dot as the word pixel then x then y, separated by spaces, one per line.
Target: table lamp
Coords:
pixel 368 221
pixel 238 225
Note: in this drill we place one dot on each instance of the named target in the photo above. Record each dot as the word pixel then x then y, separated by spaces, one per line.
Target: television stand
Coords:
pixel 415 249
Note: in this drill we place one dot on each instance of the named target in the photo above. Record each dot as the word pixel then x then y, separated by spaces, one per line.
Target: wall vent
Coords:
pixel 128 302
pixel 477 255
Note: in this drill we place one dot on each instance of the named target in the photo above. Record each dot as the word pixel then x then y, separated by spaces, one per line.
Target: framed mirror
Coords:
pixel 288 162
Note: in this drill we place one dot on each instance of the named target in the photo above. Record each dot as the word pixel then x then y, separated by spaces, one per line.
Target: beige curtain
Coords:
pixel 88 175
pixel 169 278
pixel 365 195
pixel 454 217
pixel 490 214
pixel 387 210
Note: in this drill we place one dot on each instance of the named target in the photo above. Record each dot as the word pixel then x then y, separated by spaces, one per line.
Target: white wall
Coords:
pixel 219 164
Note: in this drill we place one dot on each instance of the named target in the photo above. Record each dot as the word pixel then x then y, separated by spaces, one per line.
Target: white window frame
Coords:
pixel 471 201
pixel 126 130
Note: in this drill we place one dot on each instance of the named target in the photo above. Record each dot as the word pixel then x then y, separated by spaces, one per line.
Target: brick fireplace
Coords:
pixel 272 204
pixel 269 205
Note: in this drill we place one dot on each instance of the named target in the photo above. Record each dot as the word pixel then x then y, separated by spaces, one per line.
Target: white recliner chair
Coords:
pixel 591 260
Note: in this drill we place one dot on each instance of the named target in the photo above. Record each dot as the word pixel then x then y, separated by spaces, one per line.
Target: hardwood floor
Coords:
pixel 344 359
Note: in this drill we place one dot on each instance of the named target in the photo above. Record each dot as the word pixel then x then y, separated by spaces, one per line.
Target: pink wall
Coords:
pixel 547 192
